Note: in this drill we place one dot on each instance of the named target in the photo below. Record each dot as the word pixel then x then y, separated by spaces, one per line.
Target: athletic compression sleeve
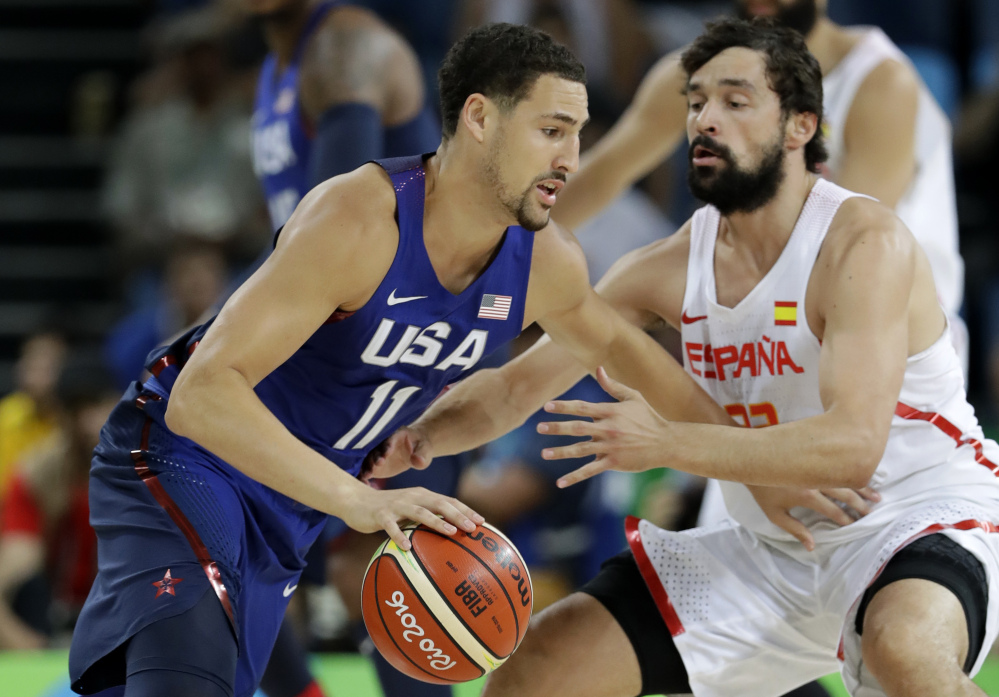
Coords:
pixel 347 136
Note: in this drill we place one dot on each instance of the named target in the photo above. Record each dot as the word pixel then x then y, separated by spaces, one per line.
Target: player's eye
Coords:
pixel 550 132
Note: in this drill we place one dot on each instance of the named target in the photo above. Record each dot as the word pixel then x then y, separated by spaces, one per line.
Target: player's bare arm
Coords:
pixel 870 303
pixel 880 134
pixel 357 58
pixel 583 331
pixel 331 255
pixel 648 131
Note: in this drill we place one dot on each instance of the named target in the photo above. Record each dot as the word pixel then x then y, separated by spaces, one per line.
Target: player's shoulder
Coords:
pixel 889 85
pixel 352 211
pixel 866 225
pixel 349 33
pixel 352 18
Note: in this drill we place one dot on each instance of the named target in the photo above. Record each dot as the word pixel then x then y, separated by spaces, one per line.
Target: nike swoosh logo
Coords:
pixel 392 300
pixel 690 320
pixel 289 589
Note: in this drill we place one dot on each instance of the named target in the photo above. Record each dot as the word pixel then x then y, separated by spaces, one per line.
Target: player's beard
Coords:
pixel 731 189
pixel 800 15
pixel 522 207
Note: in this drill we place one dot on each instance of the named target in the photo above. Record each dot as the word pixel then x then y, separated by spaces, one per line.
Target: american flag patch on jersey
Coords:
pixel 495 306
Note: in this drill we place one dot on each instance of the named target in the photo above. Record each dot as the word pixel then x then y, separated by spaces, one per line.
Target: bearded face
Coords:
pixel 730 187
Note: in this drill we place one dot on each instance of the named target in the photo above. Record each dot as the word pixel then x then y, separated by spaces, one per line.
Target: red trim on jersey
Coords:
pixel 666 608
pixel 906 412
pixel 209 566
pixel 969 524
pixel 312 690
pixel 168 360
pixel 162 364
pixel 339 316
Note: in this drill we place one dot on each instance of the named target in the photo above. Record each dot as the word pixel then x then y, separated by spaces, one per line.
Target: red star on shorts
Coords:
pixel 166 585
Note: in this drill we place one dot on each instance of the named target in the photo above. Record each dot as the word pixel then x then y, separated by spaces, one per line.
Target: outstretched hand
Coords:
pixel 627 436
pixel 403 450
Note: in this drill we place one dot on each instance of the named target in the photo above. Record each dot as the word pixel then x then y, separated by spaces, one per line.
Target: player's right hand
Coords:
pixel 405 449
pixel 842 506
pixel 375 509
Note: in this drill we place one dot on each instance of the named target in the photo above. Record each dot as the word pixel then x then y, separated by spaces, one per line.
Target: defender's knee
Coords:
pixel 914 635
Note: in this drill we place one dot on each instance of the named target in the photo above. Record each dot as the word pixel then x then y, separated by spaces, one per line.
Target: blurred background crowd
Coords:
pixel 129 204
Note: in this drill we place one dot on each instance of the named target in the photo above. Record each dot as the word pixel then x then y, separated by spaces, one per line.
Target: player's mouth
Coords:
pixel 703 157
pixel 548 190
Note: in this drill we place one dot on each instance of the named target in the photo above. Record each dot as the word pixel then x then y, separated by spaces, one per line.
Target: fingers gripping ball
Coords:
pixel 452 608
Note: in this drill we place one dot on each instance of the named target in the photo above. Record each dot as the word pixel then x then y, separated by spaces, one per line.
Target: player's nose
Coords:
pixel 568 157
pixel 707 118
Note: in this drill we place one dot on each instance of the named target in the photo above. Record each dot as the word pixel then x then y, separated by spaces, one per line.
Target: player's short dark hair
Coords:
pixel 792 71
pixel 501 61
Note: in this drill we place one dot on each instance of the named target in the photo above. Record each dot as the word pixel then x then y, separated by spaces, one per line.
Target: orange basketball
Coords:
pixel 452 608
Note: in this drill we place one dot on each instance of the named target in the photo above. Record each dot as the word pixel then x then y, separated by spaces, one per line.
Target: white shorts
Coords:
pixel 756 619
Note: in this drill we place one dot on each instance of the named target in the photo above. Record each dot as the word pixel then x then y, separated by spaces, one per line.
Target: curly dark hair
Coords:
pixel 501 61
pixel 792 71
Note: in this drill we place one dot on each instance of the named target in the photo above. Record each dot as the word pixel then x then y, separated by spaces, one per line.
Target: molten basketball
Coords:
pixel 452 608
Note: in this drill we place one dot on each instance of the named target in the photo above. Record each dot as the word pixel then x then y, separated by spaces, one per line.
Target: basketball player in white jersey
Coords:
pixel 885 134
pixel 809 309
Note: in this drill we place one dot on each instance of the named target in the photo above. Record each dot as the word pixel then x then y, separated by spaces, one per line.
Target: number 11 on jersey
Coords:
pixel 378 398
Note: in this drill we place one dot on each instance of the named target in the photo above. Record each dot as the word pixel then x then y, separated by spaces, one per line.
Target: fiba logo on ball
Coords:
pixel 450 609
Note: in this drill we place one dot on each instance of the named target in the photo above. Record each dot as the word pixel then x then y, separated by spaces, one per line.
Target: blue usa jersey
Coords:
pixel 364 374
pixel 283 135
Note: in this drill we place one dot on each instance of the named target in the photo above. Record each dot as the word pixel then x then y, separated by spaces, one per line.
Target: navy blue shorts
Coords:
pixel 173 523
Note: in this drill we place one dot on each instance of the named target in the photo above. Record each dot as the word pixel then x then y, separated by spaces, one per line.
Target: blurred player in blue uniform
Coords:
pixel 339 88
pixel 214 477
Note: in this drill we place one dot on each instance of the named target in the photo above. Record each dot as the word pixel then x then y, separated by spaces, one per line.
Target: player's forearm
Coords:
pixel 474 412
pixel 635 359
pixel 493 402
pixel 222 413
pixel 815 453
pixel 601 178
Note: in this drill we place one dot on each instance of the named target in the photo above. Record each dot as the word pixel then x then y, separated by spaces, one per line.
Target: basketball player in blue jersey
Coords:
pixel 339 88
pixel 387 284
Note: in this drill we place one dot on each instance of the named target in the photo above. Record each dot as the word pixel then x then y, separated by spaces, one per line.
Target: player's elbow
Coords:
pixel 181 416
pixel 863 456
pixel 176 415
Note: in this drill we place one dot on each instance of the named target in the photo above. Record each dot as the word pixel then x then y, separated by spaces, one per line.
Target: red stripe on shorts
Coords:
pixel 906 412
pixel 209 566
pixel 666 608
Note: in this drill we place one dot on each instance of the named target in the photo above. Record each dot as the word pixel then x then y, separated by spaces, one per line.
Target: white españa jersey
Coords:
pixel 928 206
pixel 760 361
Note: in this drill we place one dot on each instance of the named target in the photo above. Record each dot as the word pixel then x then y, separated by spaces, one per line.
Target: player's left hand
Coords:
pixel 628 436
pixel 841 506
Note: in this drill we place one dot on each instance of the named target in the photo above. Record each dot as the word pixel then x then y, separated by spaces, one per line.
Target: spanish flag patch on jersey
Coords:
pixel 785 314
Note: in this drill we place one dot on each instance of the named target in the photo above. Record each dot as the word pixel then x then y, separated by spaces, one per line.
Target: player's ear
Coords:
pixel 477 115
pixel 801 126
